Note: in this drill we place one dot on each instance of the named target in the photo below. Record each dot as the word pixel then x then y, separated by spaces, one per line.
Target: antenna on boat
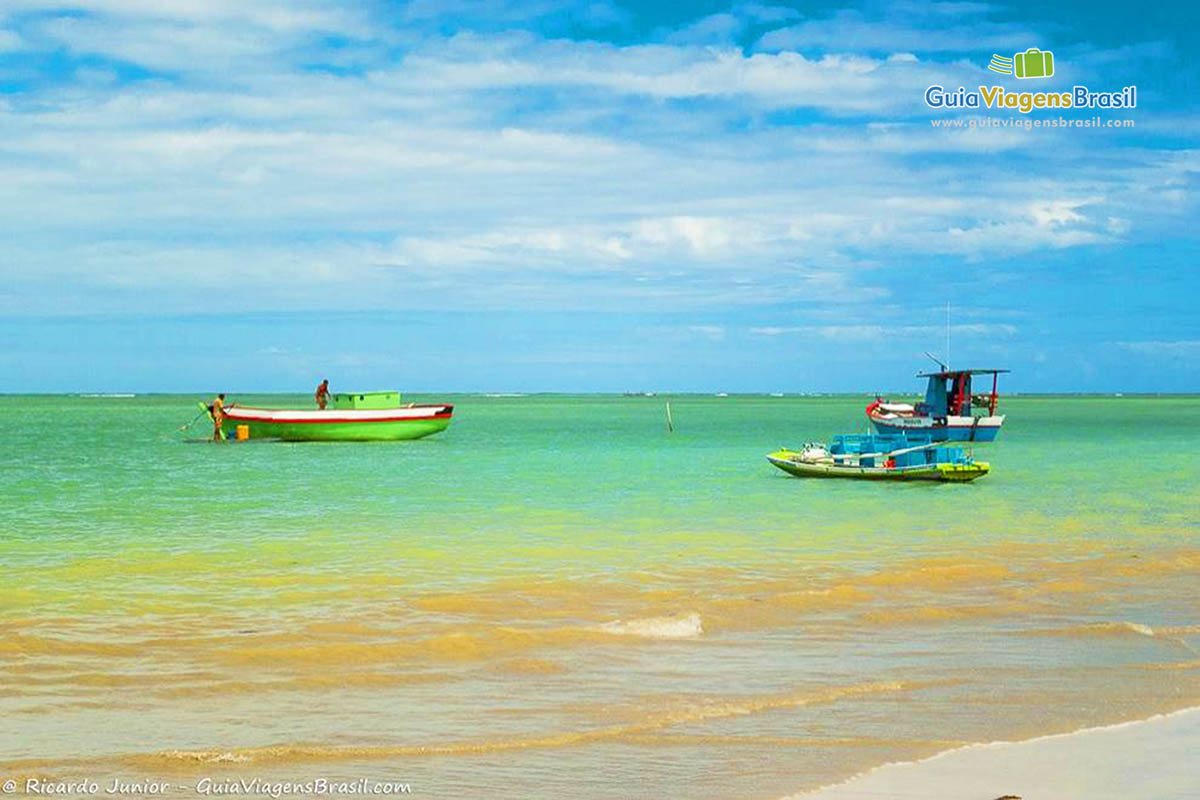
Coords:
pixel 947 367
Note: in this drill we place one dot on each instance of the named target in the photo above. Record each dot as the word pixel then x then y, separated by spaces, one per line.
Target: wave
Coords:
pixel 1176 665
pixel 530 666
pixel 1180 630
pixel 940 572
pixel 670 627
pixel 340 679
pixel 699 710
pixel 1180 563
pixel 32 645
pixel 1108 628
pixel 934 614
pixel 473 643
pixel 1168 635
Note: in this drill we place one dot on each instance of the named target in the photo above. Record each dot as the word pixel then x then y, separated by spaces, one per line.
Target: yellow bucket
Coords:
pixel 243 432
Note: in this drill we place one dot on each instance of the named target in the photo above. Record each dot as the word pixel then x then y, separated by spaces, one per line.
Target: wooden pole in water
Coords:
pixel 670 424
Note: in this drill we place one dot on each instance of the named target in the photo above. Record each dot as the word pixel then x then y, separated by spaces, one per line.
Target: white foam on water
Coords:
pixel 1137 627
pixel 672 627
pixel 207 756
pixel 1150 758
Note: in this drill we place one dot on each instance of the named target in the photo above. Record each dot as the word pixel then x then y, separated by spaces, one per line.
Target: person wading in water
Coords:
pixel 217 409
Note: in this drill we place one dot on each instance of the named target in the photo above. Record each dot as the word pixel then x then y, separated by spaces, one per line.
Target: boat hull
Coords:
pixel 413 422
pixel 788 461
pixel 947 429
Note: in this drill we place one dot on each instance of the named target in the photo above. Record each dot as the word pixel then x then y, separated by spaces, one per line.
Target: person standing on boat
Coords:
pixel 217 410
pixel 322 395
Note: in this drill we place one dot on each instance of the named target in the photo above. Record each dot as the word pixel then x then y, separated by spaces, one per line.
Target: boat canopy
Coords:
pixel 950 373
pixel 893 450
pixel 949 392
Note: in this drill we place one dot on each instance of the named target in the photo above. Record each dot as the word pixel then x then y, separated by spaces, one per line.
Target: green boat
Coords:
pixel 351 417
pixel 893 457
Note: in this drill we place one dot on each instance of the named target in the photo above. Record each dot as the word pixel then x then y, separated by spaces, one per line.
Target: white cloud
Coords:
pixel 841 83
pixel 280 17
pixel 712 332
pixel 1117 226
pixel 906 27
pixel 10 41
pixel 713 29
pixel 871 332
pixel 1058 213
pixel 703 237
pixel 1010 238
pixel 520 161
pixel 1179 348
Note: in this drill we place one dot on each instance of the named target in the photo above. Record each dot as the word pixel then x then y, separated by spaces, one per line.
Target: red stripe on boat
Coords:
pixel 326 419
pixel 343 419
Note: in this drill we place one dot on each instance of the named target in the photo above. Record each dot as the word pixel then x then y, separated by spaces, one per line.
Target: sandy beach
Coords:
pixel 1153 759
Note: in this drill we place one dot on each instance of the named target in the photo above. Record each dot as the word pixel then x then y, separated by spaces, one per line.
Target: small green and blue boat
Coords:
pixel 894 457
pixel 351 417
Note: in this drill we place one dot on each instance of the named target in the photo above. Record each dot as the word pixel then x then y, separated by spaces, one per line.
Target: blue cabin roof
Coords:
pixel 875 442
pixel 950 373
pixel 925 451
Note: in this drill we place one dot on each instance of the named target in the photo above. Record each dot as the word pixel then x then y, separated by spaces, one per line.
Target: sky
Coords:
pixel 468 195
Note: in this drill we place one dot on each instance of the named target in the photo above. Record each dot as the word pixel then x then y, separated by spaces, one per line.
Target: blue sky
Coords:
pixel 587 196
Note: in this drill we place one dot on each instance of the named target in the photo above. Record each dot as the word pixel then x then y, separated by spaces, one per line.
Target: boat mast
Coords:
pixel 947 334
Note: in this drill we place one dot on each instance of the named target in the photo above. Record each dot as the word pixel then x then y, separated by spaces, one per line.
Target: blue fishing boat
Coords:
pixel 881 457
pixel 950 412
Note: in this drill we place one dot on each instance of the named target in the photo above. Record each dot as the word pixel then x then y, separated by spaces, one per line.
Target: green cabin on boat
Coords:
pixel 366 400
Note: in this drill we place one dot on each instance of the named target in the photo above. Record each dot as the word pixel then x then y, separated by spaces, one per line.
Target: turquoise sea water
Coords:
pixel 556 595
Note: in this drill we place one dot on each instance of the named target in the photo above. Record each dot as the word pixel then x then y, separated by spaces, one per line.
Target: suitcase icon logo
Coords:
pixel 1033 63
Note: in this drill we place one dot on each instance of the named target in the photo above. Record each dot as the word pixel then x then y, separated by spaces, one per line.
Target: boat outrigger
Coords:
pixel 353 416
pixel 881 457
pixel 947 413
